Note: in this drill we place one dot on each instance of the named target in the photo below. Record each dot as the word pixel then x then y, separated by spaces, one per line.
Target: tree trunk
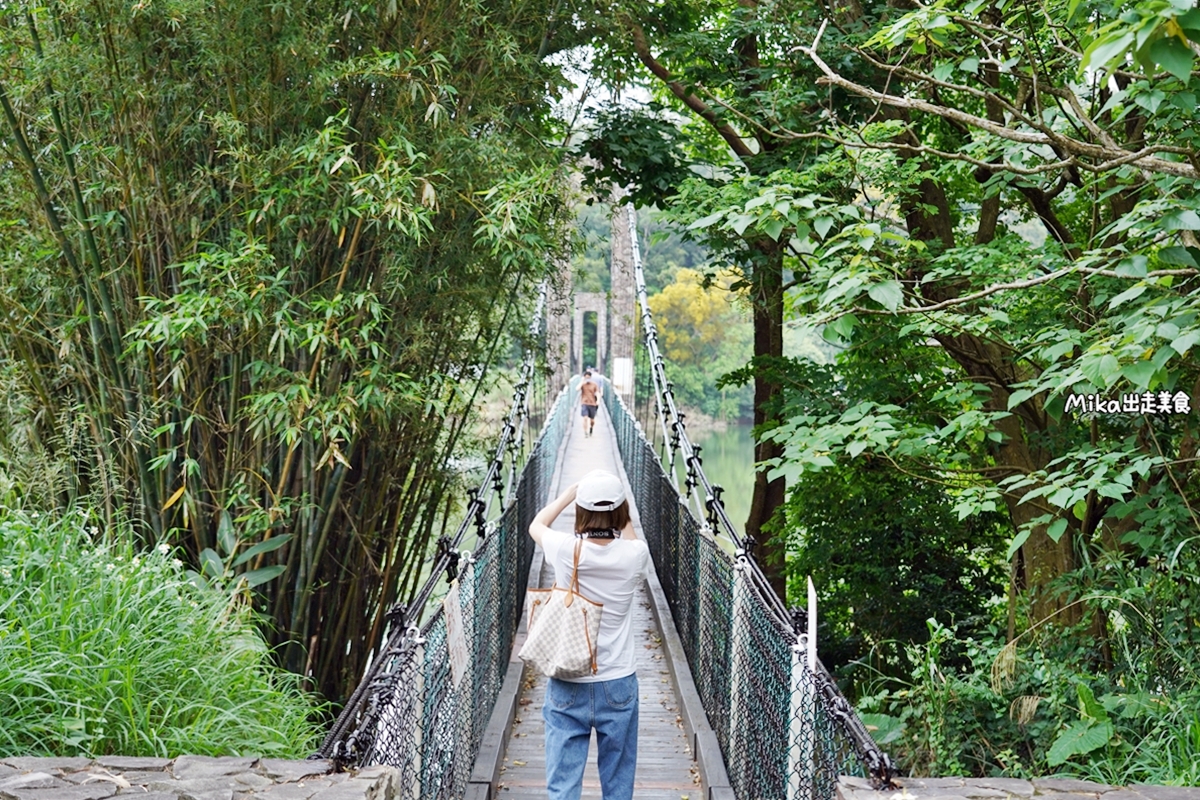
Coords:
pixel 1043 559
pixel 770 548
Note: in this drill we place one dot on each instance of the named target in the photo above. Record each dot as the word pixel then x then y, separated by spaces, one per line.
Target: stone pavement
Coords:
pixel 1010 789
pixel 190 778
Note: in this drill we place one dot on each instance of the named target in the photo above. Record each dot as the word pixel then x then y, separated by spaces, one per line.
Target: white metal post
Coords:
pixel 802 738
pixel 418 711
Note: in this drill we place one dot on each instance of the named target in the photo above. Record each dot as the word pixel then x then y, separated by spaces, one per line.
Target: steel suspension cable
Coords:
pixel 835 706
pixel 670 417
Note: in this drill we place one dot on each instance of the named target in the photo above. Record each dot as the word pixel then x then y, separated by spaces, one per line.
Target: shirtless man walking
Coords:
pixel 589 401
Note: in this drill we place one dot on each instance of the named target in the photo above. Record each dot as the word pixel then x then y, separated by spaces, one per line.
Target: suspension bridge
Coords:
pixel 734 703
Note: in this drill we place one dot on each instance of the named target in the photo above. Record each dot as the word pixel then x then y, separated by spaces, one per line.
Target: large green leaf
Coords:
pixel 226 538
pixel 884 728
pixel 1132 293
pixel 705 222
pixel 888 294
pixel 1018 540
pixel 210 563
pixel 1082 737
pixel 1057 528
pixel 773 227
pixel 1181 219
pixel 1089 706
pixel 1103 371
pixel 256 577
pixel 266 546
pixel 1107 48
pixel 1139 373
pixel 1179 256
pixel 1174 56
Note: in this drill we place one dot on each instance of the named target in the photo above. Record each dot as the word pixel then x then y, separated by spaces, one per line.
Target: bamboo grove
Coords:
pixel 253 258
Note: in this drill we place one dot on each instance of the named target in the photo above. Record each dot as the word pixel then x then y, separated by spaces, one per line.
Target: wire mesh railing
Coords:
pixel 426 697
pixel 784 727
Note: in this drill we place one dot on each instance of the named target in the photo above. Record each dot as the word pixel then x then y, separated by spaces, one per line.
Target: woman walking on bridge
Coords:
pixel 613 563
pixel 589 401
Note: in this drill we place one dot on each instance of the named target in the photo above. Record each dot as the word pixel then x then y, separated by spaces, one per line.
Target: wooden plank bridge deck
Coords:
pixel 665 767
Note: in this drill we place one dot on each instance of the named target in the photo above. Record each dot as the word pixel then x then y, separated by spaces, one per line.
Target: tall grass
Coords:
pixel 105 650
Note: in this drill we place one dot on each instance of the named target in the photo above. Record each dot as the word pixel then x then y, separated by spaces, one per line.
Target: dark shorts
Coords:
pixel 587 411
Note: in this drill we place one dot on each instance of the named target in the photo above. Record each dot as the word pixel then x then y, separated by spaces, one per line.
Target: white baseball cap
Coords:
pixel 599 491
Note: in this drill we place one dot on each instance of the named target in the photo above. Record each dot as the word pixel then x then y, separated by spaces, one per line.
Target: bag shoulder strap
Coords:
pixel 575 569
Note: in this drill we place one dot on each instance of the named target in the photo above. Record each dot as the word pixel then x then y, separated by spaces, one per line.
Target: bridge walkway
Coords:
pixel 666 769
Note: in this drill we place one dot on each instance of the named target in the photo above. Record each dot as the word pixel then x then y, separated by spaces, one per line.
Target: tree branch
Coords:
pixel 731 136
pixel 1070 145
pixel 1003 287
pixel 994 166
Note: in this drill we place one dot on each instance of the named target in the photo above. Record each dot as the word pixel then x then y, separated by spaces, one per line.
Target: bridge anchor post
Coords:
pixel 802 729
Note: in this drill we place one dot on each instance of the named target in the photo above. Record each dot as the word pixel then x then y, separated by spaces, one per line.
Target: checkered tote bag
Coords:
pixel 563 626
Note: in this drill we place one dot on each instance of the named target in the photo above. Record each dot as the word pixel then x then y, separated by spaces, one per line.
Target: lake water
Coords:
pixel 728 460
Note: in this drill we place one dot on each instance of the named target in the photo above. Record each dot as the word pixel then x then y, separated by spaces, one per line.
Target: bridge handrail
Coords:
pixel 410 614
pixel 664 396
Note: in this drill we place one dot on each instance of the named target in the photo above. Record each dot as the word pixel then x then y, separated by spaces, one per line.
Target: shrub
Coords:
pixel 1033 708
pixel 888 552
pixel 105 650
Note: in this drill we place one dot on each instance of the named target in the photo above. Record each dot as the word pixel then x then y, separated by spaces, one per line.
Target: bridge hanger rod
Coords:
pixel 691 458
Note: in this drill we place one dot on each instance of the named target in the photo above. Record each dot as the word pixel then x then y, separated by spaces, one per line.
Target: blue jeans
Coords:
pixel 570 712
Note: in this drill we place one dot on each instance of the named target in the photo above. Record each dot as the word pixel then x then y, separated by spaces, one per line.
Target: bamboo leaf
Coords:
pixel 257 577
pixel 265 546
pixel 174 498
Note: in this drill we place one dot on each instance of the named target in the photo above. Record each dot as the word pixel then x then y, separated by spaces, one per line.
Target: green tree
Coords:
pixel 1053 128
pixel 703 335
pixel 999 201
pixel 894 150
pixel 888 552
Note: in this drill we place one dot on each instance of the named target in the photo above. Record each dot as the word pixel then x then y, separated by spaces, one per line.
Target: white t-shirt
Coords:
pixel 608 574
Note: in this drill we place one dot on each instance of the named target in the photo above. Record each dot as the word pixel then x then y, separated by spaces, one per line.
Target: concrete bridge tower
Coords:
pixel 558 326
pixel 616 317
pixel 622 316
